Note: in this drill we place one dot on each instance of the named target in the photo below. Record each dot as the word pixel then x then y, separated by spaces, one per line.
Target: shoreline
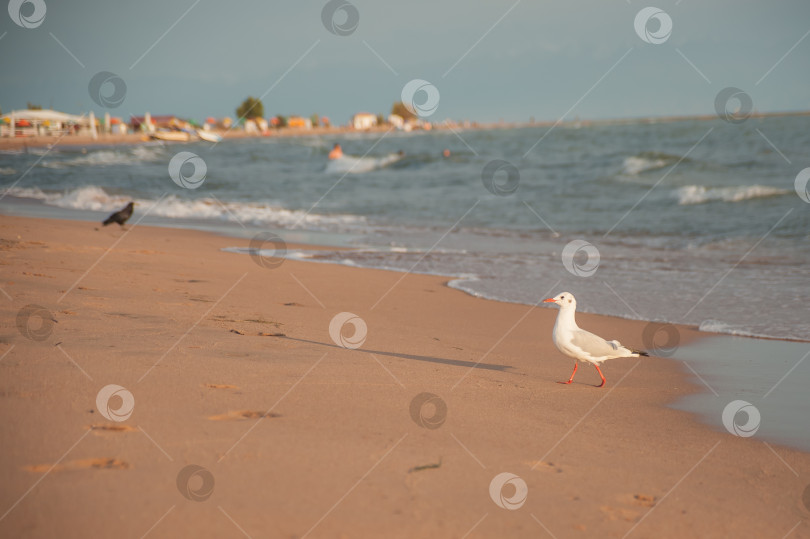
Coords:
pixel 311 242
pixel 212 345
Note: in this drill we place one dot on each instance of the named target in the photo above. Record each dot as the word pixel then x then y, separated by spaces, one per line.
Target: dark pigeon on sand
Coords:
pixel 121 216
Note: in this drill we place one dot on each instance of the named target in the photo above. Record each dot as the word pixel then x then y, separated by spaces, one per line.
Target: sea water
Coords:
pixel 695 222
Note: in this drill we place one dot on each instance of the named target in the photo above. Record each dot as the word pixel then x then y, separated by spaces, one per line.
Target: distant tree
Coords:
pixel 282 120
pixel 250 108
pixel 315 119
pixel 380 119
pixel 32 106
pixel 400 109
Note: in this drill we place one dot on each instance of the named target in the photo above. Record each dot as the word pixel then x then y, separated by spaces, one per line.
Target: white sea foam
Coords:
pixel 247 213
pixel 637 164
pixel 96 199
pixel 699 194
pixel 87 198
pixel 106 157
pixel 349 164
pixel 716 326
pixel 29 192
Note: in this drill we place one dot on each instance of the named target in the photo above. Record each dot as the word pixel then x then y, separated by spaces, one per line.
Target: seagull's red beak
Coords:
pixel 549 300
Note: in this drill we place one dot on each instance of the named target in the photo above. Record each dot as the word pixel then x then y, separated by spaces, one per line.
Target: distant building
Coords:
pixel 364 120
pixel 299 122
pixel 117 126
pixel 396 120
pixel 27 123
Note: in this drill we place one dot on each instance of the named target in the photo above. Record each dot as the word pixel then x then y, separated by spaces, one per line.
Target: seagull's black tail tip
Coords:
pixel 641 353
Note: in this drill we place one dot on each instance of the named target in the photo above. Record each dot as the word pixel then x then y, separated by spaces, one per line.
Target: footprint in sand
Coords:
pixel 220 386
pixel 112 428
pixel 83 464
pixel 260 334
pixel 644 500
pixel 619 513
pixel 241 415
pixel 7 245
pixel 543 466
pixel 629 514
pixel 38 275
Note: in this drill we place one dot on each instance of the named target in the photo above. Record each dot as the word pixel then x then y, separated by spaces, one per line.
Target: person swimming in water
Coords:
pixel 336 153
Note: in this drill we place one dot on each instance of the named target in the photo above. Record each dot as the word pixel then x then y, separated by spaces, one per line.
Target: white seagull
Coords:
pixel 580 344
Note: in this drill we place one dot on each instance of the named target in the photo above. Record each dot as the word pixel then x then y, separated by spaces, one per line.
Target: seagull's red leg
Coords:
pixel 600 374
pixel 576 364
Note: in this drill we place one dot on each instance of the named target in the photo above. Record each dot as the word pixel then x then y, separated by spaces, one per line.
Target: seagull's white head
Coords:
pixel 565 300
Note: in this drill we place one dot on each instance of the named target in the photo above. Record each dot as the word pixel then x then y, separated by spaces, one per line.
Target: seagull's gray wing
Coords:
pixel 592 344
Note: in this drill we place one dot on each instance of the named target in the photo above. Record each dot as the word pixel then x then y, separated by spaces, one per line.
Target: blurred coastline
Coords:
pixel 107 139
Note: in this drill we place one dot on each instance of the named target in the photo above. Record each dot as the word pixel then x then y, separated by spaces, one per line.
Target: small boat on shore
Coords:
pixel 171 136
pixel 208 136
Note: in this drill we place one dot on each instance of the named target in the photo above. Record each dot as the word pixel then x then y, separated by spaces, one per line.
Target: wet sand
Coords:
pixel 229 367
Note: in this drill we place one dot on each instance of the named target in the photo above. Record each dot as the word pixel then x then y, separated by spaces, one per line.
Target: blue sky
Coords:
pixel 510 59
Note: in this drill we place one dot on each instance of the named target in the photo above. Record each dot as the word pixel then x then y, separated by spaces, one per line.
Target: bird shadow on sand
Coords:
pixel 429 359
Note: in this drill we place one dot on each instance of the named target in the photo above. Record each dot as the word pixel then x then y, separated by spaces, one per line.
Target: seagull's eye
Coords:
pixel 562 297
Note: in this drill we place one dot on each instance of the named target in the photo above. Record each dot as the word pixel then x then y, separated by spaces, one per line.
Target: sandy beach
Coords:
pixel 230 367
pixel 104 139
pixel 45 141
pixel 21 143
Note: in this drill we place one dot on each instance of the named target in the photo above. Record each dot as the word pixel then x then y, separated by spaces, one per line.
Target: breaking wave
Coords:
pixel 699 194
pixel 356 165
pixel 107 157
pixel 637 164
pixel 94 198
